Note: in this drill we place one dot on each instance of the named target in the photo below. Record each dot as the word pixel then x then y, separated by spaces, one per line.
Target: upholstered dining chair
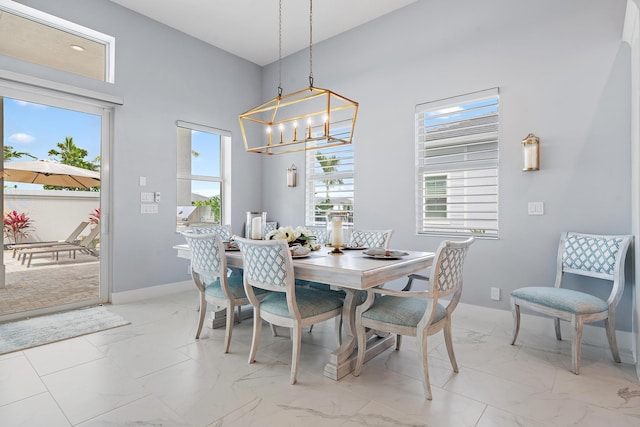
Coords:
pixel 224 231
pixel 268 267
pixel 208 270
pixel 320 233
pixel 590 255
pixel 417 313
pixel 370 238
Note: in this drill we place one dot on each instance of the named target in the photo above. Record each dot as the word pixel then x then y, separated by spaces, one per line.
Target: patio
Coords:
pixel 48 282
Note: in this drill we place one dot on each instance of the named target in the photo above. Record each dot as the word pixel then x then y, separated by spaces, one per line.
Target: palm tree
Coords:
pixel 10 153
pixel 70 154
pixel 328 165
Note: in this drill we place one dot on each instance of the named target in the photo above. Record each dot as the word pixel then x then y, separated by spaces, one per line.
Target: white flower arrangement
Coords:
pixel 298 235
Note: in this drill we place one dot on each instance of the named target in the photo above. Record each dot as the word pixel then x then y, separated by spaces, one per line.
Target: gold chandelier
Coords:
pixel 308 119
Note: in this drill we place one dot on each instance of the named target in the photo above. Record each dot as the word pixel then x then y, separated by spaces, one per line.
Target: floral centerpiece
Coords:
pixel 295 236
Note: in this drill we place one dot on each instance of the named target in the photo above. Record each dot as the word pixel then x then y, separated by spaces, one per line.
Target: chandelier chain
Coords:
pixel 280 48
pixel 311 43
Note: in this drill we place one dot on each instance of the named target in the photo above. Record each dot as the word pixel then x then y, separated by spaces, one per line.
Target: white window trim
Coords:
pixel 459 160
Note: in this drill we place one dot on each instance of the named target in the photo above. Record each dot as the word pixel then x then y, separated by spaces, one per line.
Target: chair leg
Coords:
pixel 257 326
pixel 239 314
pixel 296 338
pixel 449 343
pixel 576 344
pixel 556 322
pixel 273 329
pixel 310 328
pixel 610 327
pixel 515 312
pixel 398 341
pixel 229 327
pixel 203 312
pixel 421 339
pixel 361 336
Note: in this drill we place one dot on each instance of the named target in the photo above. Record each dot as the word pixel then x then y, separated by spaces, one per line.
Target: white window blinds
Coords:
pixel 329 183
pixel 457 165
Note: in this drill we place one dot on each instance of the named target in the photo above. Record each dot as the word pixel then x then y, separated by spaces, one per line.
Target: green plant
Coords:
pixel 214 205
pixel 17 226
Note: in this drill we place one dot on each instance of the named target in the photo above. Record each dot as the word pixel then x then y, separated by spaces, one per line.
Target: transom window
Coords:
pixel 457 165
pixel 32 35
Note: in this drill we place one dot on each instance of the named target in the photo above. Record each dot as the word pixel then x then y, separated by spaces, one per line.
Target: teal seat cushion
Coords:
pixel 401 311
pixel 310 303
pixel 562 299
pixel 236 286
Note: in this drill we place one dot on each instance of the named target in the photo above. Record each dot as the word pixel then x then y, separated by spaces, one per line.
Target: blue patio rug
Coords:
pixel 23 334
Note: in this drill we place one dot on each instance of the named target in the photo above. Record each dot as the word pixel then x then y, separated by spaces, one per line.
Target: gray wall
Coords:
pixel 563 74
pixel 560 66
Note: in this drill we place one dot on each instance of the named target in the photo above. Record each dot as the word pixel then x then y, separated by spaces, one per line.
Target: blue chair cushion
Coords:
pixel 401 311
pixel 310 303
pixel 562 299
pixel 236 286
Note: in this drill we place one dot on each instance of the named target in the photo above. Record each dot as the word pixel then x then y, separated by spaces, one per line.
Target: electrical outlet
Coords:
pixel 495 294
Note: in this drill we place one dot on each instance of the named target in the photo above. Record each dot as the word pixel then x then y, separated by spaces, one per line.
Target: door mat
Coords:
pixel 23 334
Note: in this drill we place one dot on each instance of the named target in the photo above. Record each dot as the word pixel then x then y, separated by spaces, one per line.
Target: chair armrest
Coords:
pixel 413 277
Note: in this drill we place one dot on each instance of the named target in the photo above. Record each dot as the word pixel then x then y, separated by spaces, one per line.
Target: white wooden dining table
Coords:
pixel 352 272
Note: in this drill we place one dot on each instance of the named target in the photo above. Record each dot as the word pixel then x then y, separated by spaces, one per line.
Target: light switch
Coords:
pixel 146 197
pixel 143 181
pixel 157 197
pixel 535 208
pixel 149 208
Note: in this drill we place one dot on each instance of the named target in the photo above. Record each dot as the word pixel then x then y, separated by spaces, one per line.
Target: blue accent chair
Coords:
pixel 588 255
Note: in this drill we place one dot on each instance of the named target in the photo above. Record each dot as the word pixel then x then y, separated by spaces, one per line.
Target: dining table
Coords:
pixel 351 271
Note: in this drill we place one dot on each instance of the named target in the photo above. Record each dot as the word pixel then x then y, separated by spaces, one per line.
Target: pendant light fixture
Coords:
pixel 308 119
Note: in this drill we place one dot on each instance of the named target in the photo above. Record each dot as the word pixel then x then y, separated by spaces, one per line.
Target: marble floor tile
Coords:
pixel 154 372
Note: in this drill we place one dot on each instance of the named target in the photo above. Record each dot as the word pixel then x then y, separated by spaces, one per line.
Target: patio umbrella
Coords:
pixel 49 172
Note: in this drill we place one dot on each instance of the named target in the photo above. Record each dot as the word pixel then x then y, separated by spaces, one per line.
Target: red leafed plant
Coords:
pixel 17 226
pixel 94 217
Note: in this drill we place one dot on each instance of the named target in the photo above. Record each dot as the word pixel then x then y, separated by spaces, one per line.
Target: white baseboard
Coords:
pixel 151 292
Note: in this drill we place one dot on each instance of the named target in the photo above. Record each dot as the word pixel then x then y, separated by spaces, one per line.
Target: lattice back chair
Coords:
pixel 224 231
pixel 321 234
pixel 417 313
pixel 208 270
pixel 270 226
pixel 591 255
pixel 268 267
pixel 370 238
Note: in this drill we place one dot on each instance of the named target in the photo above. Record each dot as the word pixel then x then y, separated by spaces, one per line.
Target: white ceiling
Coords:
pixel 249 28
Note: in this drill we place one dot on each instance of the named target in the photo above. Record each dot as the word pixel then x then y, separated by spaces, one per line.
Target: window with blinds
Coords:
pixel 329 175
pixel 457 165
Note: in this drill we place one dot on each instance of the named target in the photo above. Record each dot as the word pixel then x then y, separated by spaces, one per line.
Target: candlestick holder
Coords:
pixel 336 249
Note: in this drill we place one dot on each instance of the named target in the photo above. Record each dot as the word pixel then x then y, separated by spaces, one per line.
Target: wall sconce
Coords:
pixel 531 153
pixel 292 176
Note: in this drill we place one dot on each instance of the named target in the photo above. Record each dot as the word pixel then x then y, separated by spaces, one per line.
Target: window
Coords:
pixel 329 174
pixel 31 35
pixel 200 177
pixel 457 165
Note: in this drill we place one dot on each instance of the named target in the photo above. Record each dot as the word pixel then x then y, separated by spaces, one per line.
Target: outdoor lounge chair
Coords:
pixel 72 248
pixel 16 248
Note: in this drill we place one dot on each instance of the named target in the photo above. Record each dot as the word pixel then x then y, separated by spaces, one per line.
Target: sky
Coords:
pixel 36 129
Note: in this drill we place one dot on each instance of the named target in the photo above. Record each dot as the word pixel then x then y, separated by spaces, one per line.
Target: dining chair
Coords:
pixel 370 238
pixel 417 313
pixel 268 266
pixel 208 270
pixel 270 226
pixel 224 231
pixel 587 255
pixel 321 234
